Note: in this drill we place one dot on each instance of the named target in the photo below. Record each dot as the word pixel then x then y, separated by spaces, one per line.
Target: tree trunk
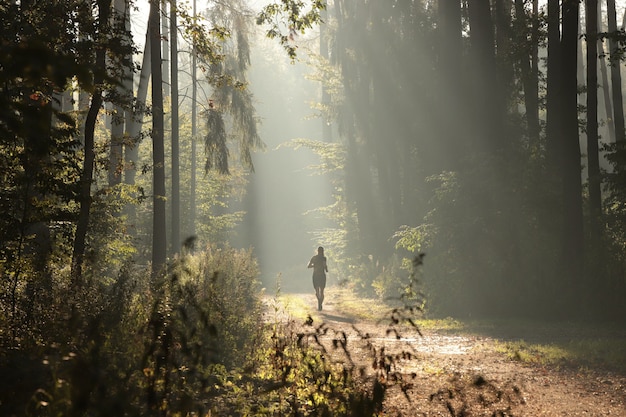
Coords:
pixel 529 79
pixel 131 155
pixel 450 57
pixel 165 48
pixel 554 86
pixel 593 164
pixel 606 93
pixel 616 76
pixel 159 242
pixel 485 94
pixel 175 242
pixel 503 50
pixel 194 133
pixel 117 116
pixel 573 240
pixel 89 158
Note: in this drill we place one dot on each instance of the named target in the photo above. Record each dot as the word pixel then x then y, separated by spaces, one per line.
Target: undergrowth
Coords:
pixel 198 341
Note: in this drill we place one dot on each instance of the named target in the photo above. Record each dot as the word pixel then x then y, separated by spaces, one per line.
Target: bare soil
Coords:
pixel 441 374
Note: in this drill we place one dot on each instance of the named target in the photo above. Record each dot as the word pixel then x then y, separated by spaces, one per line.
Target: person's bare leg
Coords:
pixel 321 298
pixel 317 295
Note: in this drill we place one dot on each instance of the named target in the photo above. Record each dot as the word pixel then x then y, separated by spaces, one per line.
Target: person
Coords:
pixel 320 268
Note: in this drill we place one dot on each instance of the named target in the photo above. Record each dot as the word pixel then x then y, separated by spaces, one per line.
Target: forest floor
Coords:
pixel 470 373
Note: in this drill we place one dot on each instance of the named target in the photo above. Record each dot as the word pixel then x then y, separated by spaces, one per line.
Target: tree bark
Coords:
pixel 554 86
pixel 117 116
pixel 134 125
pixel 573 238
pixel 593 164
pixel 175 241
pixel 82 225
pixel 529 78
pixel 606 93
pixel 450 57
pixel 165 48
pixel 159 242
pixel 616 75
pixel 485 94
pixel 194 133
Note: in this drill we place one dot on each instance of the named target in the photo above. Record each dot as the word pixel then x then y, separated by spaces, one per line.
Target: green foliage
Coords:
pixel 193 341
pixel 481 237
pixel 393 279
pixel 231 112
pixel 296 15
pixel 128 346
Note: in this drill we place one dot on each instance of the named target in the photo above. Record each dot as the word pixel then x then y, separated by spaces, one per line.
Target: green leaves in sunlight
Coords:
pixel 289 18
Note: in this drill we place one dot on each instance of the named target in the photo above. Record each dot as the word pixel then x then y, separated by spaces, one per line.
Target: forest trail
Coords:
pixel 460 374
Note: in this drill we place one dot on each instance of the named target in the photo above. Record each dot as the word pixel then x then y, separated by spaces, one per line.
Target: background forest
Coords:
pixel 154 179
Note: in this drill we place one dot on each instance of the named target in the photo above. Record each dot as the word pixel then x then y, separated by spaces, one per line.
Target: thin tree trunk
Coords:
pixel 327 133
pixel 89 158
pixel 580 66
pixel 593 163
pixel 165 48
pixel 554 87
pixel 117 117
pixel 503 42
pixel 606 93
pixel 530 82
pixel 616 76
pixel 175 133
pixel 159 242
pixel 194 133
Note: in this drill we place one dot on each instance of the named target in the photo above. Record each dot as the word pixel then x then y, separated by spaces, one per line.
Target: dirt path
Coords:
pixel 458 375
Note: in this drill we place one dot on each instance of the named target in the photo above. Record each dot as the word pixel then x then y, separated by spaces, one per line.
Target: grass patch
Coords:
pixel 572 346
pixel 295 305
pixel 446 324
pixel 534 353
pixel 346 302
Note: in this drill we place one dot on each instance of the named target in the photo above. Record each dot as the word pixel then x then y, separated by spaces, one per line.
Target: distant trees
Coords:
pixel 479 151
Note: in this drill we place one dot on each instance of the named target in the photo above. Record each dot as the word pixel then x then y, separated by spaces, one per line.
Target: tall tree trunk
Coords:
pixel 82 225
pixel 534 41
pixel 485 95
pixel 580 69
pixel 529 78
pixel 593 163
pixel 159 242
pixel 327 133
pixel 503 49
pixel 175 244
pixel 573 240
pixel 117 114
pixel 131 151
pixel 606 92
pixel 194 133
pixel 554 87
pixel 450 55
pixel 165 48
pixel 616 75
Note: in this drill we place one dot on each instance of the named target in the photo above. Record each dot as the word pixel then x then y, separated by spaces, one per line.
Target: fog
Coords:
pixel 440 158
pixel 283 186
